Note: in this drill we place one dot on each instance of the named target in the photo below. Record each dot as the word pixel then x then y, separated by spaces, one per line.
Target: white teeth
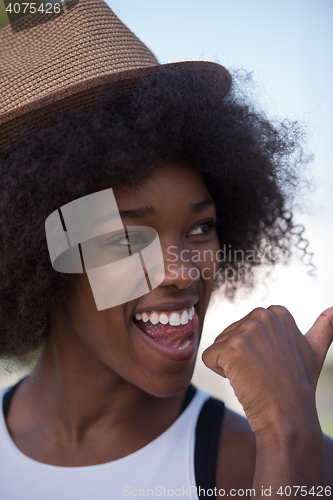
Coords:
pixel 184 343
pixel 174 319
pixel 145 317
pixel 164 319
pixel 154 318
pixel 184 318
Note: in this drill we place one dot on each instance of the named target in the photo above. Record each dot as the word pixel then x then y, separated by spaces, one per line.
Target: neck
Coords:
pixel 81 396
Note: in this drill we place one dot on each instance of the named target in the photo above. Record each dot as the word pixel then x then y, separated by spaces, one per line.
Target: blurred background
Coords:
pixel 288 47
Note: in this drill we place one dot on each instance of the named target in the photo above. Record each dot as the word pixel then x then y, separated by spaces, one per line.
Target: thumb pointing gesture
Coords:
pixel 320 335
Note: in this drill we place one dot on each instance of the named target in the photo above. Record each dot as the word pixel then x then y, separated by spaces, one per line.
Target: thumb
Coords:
pixel 320 335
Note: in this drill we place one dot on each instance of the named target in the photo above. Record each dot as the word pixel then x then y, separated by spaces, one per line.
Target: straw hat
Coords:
pixel 50 63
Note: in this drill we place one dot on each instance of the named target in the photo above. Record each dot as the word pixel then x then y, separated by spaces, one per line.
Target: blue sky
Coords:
pixel 288 44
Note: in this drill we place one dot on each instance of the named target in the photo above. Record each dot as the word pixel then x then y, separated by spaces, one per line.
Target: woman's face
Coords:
pixel 140 341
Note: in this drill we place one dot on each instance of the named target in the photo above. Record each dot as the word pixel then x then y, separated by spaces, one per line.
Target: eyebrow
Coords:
pixel 138 213
pixel 195 208
pixel 149 210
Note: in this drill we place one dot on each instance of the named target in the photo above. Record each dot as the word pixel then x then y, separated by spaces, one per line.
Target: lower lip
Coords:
pixel 172 352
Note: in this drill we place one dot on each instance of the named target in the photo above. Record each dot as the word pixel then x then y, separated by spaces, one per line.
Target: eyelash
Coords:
pixel 211 226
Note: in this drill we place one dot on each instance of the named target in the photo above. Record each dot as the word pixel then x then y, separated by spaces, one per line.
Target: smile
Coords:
pixel 173 318
pixel 172 333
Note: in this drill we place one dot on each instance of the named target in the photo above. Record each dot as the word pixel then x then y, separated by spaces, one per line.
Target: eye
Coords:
pixel 203 228
pixel 134 238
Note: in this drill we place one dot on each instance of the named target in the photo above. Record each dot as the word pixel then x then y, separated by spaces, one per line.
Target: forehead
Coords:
pixel 173 184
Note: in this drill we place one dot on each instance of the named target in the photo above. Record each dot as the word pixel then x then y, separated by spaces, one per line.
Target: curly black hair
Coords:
pixel 251 167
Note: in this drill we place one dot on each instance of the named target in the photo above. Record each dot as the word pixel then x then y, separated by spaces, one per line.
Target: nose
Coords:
pixel 180 271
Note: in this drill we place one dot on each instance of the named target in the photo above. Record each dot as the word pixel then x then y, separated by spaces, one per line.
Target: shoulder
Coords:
pixel 236 454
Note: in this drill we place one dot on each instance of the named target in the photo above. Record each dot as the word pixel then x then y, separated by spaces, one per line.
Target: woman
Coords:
pixel 109 410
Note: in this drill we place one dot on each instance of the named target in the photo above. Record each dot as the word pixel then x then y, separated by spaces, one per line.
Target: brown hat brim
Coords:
pixel 40 112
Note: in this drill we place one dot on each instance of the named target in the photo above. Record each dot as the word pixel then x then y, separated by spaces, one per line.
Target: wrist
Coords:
pixel 296 448
pixel 292 437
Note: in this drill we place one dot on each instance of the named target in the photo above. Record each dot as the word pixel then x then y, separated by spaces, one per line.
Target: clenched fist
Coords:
pixel 272 367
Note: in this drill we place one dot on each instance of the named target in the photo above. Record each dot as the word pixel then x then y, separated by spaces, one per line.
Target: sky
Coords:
pixel 288 46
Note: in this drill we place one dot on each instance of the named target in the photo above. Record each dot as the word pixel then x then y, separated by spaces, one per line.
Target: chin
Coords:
pixel 169 383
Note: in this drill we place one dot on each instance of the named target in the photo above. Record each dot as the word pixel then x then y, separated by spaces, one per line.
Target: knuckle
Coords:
pixel 234 348
pixel 238 342
pixel 252 324
pixel 279 310
pixel 260 313
pixel 219 337
pixel 253 330
pixel 235 342
pixel 260 310
pixel 208 358
pixel 212 355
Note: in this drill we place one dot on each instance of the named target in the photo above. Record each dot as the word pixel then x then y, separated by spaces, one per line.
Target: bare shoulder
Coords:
pixel 328 460
pixel 237 453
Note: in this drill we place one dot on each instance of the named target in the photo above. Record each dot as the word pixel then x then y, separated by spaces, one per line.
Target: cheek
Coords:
pixel 105 334
pixel 97 329
pixel 207 262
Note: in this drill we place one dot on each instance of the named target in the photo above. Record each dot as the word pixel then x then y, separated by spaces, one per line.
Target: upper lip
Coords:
pixel 169 306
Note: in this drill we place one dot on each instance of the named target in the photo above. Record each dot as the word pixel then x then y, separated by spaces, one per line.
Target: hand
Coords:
pixel 272 367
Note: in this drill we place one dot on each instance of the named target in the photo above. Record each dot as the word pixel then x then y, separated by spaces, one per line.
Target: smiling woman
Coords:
pixel 189 160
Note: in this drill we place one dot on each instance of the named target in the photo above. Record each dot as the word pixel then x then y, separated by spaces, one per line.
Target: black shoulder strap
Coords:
pixel 207 438
pixel 8 396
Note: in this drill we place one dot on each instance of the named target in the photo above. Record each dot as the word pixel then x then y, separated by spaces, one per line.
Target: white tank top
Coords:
pixel 163 468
